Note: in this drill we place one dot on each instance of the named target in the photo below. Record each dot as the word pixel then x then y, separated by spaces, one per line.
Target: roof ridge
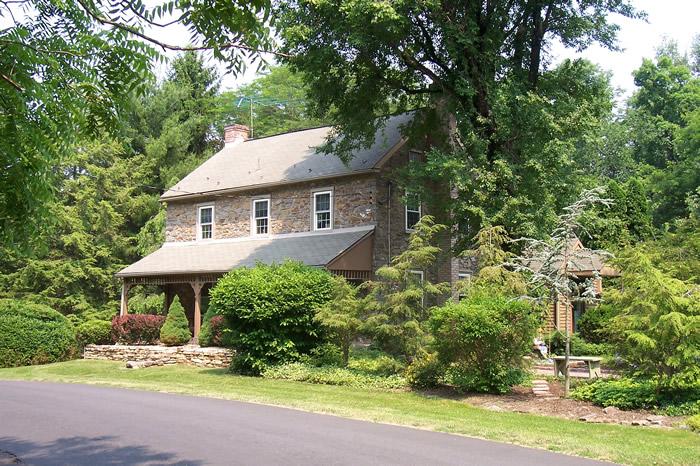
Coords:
pixel 291 131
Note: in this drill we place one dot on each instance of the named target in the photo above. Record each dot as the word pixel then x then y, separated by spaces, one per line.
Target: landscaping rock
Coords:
pixel 611 410
pixel 587 418
pixel 640 422
pixel 495 408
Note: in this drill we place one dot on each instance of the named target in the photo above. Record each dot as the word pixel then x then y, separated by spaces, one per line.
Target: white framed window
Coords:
pixel 412 211
pixel 260 216
pixel 323 210
pixel 205 222
pixel 465 278
pixel 417 275
pixel 414 155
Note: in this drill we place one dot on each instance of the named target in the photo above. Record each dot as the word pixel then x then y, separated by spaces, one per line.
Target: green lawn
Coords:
pixel 629 445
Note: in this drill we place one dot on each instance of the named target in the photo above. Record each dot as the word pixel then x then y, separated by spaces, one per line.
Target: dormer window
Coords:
pixel 323 210
pixel 205 222
pixel 260 224
pixel 413 211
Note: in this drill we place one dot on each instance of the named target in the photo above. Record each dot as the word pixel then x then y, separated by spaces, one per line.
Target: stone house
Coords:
pixel 277 197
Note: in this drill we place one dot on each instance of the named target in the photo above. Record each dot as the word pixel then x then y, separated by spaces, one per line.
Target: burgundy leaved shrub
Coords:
pixel 137 329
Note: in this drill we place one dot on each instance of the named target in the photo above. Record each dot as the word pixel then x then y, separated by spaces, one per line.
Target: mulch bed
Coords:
pixel 522 400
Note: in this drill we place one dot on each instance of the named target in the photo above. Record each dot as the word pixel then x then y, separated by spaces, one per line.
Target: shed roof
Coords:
pixel 284 158
pixel 314 249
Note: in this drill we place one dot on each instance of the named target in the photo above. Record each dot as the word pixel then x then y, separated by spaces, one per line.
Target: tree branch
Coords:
pixel 11 82
pixel 164 45
pixel 38 50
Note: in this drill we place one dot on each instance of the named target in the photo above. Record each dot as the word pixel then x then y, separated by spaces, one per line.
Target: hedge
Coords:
pixel 33 333
pixel 481 341
pixel 94 332
pixel 270 312
pixel 137 329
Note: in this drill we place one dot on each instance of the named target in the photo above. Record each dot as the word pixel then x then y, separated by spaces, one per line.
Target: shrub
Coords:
pixel 627 393
pixel 578 346
pixel 94 332
pixel 137 329
pixel 375 363
pixel 593 326
pixel 269 312
pixel 425 372
pixel 693 423
pixel 326 354
pixel 176 330
pixel 300 372
pixel 658 321
pixel 482 341
pixel 340 316
pixel 211 333
pixel 33 334
pixel 146 304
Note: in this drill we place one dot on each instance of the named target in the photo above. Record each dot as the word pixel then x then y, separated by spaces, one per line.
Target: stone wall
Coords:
pixel 290 209
pixel 190 354
pixel 391 237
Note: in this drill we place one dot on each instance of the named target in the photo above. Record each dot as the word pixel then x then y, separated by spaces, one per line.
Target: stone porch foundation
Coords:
pixel 190 354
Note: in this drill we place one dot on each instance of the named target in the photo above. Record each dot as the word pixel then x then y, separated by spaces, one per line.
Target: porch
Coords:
pixel 189 270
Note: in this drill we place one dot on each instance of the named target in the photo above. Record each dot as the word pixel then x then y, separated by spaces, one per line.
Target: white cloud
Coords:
pixel 675 19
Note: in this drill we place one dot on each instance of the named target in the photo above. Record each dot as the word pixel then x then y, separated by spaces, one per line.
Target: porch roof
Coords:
pixel 220 256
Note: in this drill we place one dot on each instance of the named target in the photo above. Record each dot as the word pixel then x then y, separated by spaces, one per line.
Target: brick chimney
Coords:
pixel 233 134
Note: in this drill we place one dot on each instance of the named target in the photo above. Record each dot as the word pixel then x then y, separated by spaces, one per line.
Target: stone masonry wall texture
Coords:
pixel 189 355
pixel 290 209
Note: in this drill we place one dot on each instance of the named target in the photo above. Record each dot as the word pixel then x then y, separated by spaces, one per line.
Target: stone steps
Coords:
pixel 541 389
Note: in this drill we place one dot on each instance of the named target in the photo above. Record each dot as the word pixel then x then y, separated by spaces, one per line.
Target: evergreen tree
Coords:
pixel 341 315
pixel 396 303
pixel 175 331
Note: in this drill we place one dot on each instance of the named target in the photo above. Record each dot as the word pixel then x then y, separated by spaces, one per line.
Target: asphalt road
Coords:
pixel 52 424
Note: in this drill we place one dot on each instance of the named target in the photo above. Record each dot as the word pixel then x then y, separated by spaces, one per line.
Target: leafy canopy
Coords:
pixel 69 69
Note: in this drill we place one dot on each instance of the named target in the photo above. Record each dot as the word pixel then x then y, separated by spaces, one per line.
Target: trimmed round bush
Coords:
pixel 269 311
pixel 137 329
pixel 33 334
pixel 482 340
pixel 176 330
pixel 94 332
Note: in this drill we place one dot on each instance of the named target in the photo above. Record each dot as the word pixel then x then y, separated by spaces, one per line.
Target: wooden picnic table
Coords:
pixel 592 362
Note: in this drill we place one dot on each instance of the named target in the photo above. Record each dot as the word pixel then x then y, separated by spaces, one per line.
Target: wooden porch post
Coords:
pixel 124 309
pixel 197 287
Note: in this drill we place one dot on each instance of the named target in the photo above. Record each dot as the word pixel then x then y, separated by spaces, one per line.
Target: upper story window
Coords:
pixel 205 222
pixel 413 211
pixel 323 210
pixel 260 224
pixel 414 155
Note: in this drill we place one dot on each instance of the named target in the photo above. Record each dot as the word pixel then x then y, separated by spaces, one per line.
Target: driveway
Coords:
pixel 57 424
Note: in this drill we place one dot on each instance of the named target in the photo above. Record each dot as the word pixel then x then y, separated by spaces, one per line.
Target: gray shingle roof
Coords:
pixel 283 158
pixel 315 249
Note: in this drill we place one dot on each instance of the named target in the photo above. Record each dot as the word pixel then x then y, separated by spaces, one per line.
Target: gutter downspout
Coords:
pixel 388 221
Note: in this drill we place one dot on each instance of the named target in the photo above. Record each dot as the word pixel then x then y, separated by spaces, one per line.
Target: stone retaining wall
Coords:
pixel 191 355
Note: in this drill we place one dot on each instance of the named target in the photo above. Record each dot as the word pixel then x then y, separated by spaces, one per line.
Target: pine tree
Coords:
pixel 175 330
pixel 396 303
